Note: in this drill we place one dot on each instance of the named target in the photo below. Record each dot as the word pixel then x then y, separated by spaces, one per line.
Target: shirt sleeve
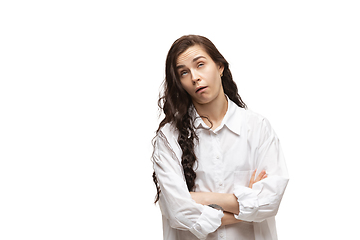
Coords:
pixel 175 200
pixel 263 200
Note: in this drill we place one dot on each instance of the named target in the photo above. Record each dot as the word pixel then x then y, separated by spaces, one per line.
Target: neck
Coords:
pixel 214 110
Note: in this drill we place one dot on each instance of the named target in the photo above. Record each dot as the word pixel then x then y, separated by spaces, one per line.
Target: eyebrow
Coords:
pixel 194 60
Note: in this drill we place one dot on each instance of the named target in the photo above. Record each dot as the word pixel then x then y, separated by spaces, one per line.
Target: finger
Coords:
pixel 260 176
pixel 253 175
pixel 252 179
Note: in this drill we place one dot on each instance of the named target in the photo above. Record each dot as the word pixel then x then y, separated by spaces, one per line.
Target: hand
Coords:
pixel 260 177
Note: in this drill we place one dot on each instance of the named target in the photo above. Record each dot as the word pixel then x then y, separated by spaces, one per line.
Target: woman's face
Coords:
pixel 199 75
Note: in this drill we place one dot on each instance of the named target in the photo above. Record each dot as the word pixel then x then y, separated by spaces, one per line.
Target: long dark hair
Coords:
pixel 176 102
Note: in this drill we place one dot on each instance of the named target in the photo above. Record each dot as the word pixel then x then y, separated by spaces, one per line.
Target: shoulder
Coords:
pixel 242 114
pixel 256 121
pixel 244 120
pixel 167 136
pixel 253 117
pixel 168 131
pixel 248 116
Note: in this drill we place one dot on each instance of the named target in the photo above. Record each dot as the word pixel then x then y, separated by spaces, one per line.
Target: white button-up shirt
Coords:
pixel 226 158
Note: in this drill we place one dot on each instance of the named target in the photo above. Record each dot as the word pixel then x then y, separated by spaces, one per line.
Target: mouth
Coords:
pixel 199 89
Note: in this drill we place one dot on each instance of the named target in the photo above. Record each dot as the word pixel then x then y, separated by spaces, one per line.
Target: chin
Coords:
pixel 203 101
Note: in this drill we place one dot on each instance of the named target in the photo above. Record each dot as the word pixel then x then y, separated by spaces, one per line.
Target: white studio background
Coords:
pixel 78 109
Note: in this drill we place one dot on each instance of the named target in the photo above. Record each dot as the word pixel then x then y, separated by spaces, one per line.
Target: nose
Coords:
pixel 195 77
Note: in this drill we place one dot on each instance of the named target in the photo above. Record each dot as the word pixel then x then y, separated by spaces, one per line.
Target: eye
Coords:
pixel 200 64
pixel 183 73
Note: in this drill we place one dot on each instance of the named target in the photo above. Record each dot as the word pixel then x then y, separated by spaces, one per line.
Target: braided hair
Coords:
pixel 176 102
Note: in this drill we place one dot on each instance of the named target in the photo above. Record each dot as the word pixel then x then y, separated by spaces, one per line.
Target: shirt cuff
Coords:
pixel 208 222
pixel 248 203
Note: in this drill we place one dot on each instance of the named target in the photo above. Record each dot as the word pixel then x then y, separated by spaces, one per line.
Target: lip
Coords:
pixel 200 89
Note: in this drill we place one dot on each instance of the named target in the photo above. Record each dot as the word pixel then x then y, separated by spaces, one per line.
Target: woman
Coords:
pixel 218 168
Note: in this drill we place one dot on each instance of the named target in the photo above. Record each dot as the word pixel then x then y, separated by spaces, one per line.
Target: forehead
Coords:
pixel 190 54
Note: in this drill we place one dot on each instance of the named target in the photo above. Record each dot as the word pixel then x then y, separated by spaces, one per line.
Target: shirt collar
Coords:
pixel 232 118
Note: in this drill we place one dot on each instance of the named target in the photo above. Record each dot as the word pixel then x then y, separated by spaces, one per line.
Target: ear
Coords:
pixel 221 68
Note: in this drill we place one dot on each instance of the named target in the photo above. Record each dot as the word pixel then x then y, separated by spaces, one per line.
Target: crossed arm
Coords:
pixel 227 201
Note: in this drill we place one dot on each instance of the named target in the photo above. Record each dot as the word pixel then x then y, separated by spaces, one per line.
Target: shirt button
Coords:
pixel 217 157
pixel 220 184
